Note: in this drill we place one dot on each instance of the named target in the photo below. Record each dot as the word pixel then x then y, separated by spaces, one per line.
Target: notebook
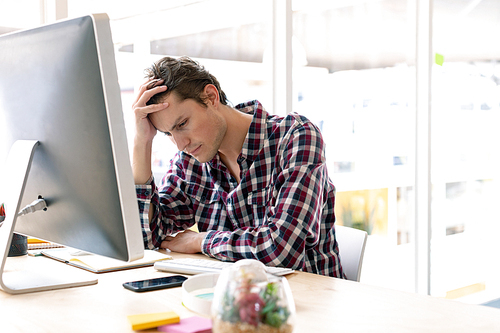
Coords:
pixel 38 244
pixel 99 264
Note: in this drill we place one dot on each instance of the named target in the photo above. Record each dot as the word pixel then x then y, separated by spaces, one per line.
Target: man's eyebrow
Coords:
pixel 176 123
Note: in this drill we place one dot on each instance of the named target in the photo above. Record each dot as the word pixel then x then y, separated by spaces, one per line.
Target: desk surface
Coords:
pixel 323 305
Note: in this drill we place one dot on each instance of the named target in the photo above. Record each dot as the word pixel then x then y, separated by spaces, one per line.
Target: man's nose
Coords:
pixel 181 141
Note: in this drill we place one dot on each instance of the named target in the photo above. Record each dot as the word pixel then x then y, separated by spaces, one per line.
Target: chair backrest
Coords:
pixel 351 244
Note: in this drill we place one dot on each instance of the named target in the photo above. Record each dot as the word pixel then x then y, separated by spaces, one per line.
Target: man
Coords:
pixel 256 185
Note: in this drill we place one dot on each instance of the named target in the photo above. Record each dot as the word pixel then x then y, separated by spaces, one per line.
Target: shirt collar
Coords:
pixel 256 134
pixel 254 141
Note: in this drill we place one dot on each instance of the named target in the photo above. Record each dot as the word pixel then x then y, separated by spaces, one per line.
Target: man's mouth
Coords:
pixel 192 152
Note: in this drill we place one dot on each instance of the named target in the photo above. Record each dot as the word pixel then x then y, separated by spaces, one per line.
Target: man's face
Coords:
pixel 195 129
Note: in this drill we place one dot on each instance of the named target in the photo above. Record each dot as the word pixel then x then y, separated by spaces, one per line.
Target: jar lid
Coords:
pixel 198 292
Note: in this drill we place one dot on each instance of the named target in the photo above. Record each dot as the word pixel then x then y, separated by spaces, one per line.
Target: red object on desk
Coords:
pixel 2 210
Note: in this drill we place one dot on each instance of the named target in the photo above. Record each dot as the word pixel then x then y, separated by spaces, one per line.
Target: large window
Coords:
pixel 364 103
pixel 354 72
pixel 465 160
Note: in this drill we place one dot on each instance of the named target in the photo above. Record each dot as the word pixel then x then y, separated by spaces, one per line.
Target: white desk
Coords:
pixel 323 305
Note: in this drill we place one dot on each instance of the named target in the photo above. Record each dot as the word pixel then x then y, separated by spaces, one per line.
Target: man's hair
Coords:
pixel 184 76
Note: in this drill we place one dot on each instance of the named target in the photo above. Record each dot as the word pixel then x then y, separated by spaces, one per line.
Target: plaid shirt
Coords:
pixel 281 212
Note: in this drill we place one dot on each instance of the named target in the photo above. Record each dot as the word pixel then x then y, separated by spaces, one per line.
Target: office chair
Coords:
pixel 351 244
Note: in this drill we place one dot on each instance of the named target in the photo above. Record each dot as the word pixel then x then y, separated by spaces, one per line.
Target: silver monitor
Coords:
pixel 62 139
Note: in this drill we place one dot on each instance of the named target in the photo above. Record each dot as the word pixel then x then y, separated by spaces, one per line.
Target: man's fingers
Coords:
pixel 145 96
pixel 153 83
pixel 148 109
pixel 149 89
pixel 150 83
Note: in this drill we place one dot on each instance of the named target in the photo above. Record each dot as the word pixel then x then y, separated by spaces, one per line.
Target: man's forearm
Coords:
pixel 141 161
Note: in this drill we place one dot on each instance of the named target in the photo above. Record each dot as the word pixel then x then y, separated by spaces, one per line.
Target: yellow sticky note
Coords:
pixel 152 320
pixel 439 59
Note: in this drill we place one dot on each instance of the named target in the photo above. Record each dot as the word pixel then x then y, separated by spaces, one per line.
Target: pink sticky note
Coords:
pixel 189 325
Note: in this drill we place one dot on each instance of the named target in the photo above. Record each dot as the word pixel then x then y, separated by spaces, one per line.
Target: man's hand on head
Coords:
pixel 186 241
pixel 145 131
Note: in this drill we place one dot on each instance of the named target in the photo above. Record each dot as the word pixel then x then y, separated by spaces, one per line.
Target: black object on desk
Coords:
pixel 19 244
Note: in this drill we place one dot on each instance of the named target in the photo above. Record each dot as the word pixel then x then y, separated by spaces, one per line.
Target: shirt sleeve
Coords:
pixel 144 195
pixel 293 221
pixel 172 208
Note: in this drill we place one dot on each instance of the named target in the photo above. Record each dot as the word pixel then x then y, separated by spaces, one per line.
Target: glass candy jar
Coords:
pixel 246 299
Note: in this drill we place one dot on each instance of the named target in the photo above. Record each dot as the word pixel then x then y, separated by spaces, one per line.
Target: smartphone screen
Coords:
pixel 155 284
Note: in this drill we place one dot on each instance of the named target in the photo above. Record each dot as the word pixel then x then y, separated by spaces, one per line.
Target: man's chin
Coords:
pixel 204 159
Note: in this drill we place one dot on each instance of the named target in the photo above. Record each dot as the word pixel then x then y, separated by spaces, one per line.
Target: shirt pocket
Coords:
pixel 206 206
pixel 259 204
pixel 202 195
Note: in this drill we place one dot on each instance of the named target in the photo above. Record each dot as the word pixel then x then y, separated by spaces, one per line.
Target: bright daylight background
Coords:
pixel 354 76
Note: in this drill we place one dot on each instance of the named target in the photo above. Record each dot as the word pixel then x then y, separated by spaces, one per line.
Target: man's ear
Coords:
pixel 212 95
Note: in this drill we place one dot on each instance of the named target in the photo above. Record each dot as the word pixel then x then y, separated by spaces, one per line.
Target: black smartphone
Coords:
pixel 155 284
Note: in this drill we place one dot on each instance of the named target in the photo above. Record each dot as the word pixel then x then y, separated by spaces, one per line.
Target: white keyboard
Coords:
pixel 197 266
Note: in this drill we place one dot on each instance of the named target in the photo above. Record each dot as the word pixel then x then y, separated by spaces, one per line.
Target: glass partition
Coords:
pixel 466 161
pixel 359 88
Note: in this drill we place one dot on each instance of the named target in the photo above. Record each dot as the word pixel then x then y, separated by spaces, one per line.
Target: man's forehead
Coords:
pixel 165 120
pixel 168 97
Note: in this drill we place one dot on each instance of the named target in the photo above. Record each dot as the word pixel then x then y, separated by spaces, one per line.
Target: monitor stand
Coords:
pixel 29 278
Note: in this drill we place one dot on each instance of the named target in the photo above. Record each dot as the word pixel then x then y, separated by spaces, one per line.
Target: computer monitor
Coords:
pixel 63 139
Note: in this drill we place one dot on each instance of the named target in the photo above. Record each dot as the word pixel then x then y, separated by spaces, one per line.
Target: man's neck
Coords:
pixel 238 124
